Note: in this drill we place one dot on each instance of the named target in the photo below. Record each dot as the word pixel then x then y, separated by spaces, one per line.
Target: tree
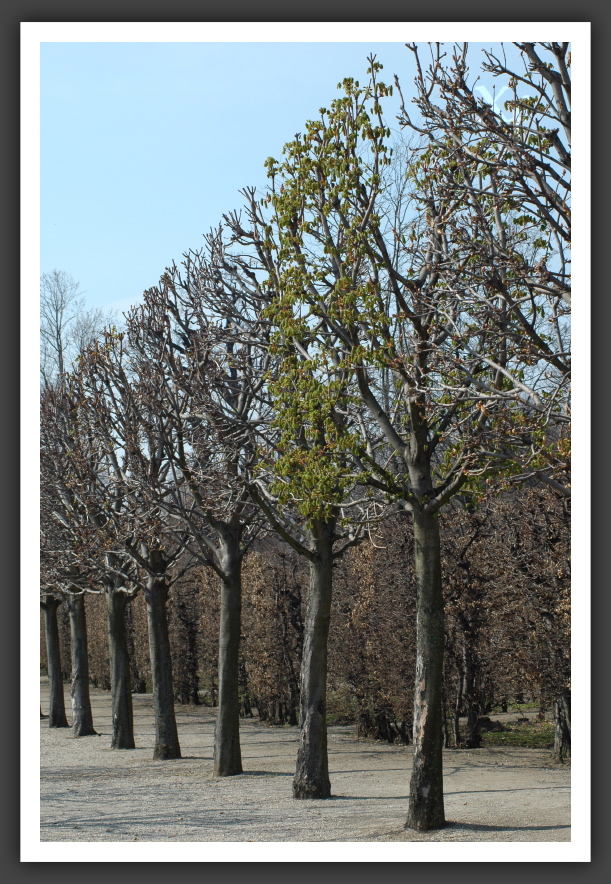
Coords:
pixel 200 380
pixel 127 487
pixel 57 709
pixel 73 471
pixel 302 481
pixel 380 301
pixel 66 327
pixel 506 173
pixel 58 582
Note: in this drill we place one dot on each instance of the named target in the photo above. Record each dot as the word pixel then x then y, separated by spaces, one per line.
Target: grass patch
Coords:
pixel 527 735
pixel 342 707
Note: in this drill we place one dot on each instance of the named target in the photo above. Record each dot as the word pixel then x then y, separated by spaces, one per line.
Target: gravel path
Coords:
pixel 92 793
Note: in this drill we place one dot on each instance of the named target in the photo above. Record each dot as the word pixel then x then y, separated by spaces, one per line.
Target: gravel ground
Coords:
pixel 92 793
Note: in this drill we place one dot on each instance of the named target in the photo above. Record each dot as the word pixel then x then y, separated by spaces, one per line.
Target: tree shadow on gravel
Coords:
pixel 480 827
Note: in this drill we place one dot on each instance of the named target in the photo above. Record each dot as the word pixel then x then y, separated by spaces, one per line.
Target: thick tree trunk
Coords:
pixel 227 754
pixel 166 733
pixel 57 708
pixel 82 719
pixel 120 682
pixel 312 773
pixel 426 810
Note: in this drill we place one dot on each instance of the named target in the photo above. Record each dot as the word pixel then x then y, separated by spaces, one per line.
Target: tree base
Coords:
pixel 424 820
pixel 233 771
pixel 120 744
pixel 166 753
pixel 84 732
pixel 310 790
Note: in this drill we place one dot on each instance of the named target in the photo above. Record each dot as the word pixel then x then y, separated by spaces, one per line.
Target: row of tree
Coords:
pixel 382 332
pixel 506 592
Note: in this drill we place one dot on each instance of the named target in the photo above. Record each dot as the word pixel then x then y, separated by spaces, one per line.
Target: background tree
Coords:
pixel 66 326
pixel 74 468
pixel 275 581
pixel 59 582
pixel 49 603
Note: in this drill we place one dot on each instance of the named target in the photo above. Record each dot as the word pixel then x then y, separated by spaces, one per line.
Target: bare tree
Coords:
pixel 128 490
pixel 506 172
pixel 85 558
pixel 66 326
pixel 197 386
pixel 59 582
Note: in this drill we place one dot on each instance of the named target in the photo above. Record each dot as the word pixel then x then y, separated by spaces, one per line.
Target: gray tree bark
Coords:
pixel 57 707
pixel 312 772
pixel 166 733
pixel 426 808
pixel 227 753
pixel 82 719
pixel 120 682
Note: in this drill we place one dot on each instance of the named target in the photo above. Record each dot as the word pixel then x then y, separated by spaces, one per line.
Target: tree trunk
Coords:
pixel 312 773
pixel 458 706
pixel 120 682
pixel 472 703
pixel 166 733
pixel 446 721
pixel 138 683
pixel 562 727
pixel 82 719
pixel 227 754
pixel 426 810
pixel 57 708
pixel 294 703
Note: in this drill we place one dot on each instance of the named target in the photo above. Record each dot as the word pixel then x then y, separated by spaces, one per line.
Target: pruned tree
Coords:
pixel 304 482
pixel 129 484
pixel 59 582
pixel 86 560
pixel 49 603
pixel 198 378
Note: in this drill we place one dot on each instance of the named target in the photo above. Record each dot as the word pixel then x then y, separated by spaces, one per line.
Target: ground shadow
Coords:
pixel 480 827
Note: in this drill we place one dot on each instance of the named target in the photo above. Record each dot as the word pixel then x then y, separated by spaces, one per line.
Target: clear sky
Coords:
pixel 145 145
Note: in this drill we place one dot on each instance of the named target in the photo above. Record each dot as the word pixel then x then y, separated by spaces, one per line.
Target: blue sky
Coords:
pixel 145 145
